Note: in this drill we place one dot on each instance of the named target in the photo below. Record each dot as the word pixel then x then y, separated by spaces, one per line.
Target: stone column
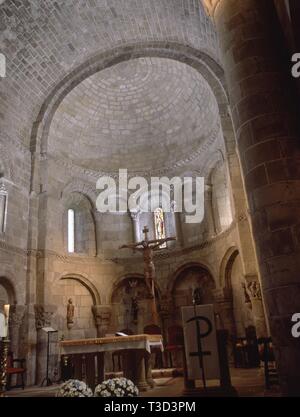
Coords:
pixel 223 306
pixel 178 225
pixel 135 222
pixel 43 318
pixel 16 317
pixel 269 152
pixel 102 316
pixel 212 230
pixel 165 315
pixel 254 291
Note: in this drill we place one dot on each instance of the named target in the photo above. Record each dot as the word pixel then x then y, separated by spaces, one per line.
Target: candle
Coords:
pixel 6 311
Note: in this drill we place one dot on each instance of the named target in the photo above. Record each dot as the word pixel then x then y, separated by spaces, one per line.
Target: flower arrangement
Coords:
pixel 74 388
pixel 116 387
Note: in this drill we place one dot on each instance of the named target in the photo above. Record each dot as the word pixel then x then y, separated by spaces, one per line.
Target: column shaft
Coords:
pixel 269 152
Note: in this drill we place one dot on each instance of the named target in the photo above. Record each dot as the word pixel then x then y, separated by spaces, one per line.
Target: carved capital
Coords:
pixel 166 305
pixel 43 315
pixel 254 290
pixel 134 215
pixel 102 315
pixel 218 294
pixel 210 6
pixel 16 315
pixel 253 287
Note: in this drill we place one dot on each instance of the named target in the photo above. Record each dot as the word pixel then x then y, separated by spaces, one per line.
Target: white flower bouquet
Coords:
pixel 74 388
pixel 116 387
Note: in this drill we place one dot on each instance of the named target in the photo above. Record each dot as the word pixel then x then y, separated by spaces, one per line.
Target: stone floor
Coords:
pixel 247 382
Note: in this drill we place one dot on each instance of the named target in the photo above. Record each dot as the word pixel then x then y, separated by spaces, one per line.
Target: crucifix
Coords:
pixel 147 247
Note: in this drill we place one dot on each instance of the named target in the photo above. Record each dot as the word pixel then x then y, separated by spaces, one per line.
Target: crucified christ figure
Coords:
pixel 147 247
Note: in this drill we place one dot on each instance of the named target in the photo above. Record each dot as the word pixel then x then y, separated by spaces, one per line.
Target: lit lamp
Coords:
pixel 3 347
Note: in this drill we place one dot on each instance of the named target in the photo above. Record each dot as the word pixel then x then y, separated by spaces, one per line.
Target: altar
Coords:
pixel 84 359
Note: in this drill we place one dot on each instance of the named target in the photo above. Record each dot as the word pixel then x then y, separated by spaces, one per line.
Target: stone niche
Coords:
pixel 188 280
pixel 83 322
pixel 131 308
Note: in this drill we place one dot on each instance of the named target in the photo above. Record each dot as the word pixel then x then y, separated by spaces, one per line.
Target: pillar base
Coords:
pixel 142 386
pixel 151 383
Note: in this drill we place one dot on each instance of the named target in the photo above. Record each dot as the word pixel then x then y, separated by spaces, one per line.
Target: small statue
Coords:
pixel 70 314
pixel 197 296
pixel 134 309
pixel 246 294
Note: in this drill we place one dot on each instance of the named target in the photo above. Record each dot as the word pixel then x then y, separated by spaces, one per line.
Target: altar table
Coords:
pixel 84 359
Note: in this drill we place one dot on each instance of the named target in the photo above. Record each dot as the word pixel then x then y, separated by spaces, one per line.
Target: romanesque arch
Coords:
pixel 87 284
pixel 7 291
pixel 187 279
pixel 85 238
pixel 84 297
pixel 205 65
pixel 225 267
pixel 131 303
pixel 186 267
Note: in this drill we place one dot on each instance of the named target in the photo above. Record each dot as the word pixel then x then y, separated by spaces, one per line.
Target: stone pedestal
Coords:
pixel 253 56
pixel 134 368
pixel 148 370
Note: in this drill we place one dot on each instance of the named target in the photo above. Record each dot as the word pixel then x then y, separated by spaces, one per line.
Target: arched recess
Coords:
pixel 159 199
pixel 221 203
pixel 7 291
pixel 84 296
pixel 199 60
pixel 79 186
pixel 187 279
pixel 186 266
pixel 225 267
pixel 85 238
pixel 233 283
pixel 87 284
pixel 131 304
pixel 6 159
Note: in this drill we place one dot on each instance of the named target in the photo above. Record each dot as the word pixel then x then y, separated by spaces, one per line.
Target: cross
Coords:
pixel 147 247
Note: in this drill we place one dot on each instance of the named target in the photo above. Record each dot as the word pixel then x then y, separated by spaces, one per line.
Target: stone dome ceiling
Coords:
pixel 142 114
pixel 45 40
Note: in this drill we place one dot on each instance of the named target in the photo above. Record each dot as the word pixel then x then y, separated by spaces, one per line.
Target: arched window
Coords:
pixel 3 208
pixel 71 231
pixel 159 226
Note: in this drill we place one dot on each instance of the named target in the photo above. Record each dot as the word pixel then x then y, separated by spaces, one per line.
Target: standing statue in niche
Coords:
pixel 197 296
pixel 70 314
pixel 134 301
pixel 134 309
pixel 247 297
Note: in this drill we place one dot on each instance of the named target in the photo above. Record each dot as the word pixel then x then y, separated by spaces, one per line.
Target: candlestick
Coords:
pixel 6 314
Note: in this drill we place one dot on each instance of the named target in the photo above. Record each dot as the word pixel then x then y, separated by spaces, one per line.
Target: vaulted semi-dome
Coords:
pixel 139 114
